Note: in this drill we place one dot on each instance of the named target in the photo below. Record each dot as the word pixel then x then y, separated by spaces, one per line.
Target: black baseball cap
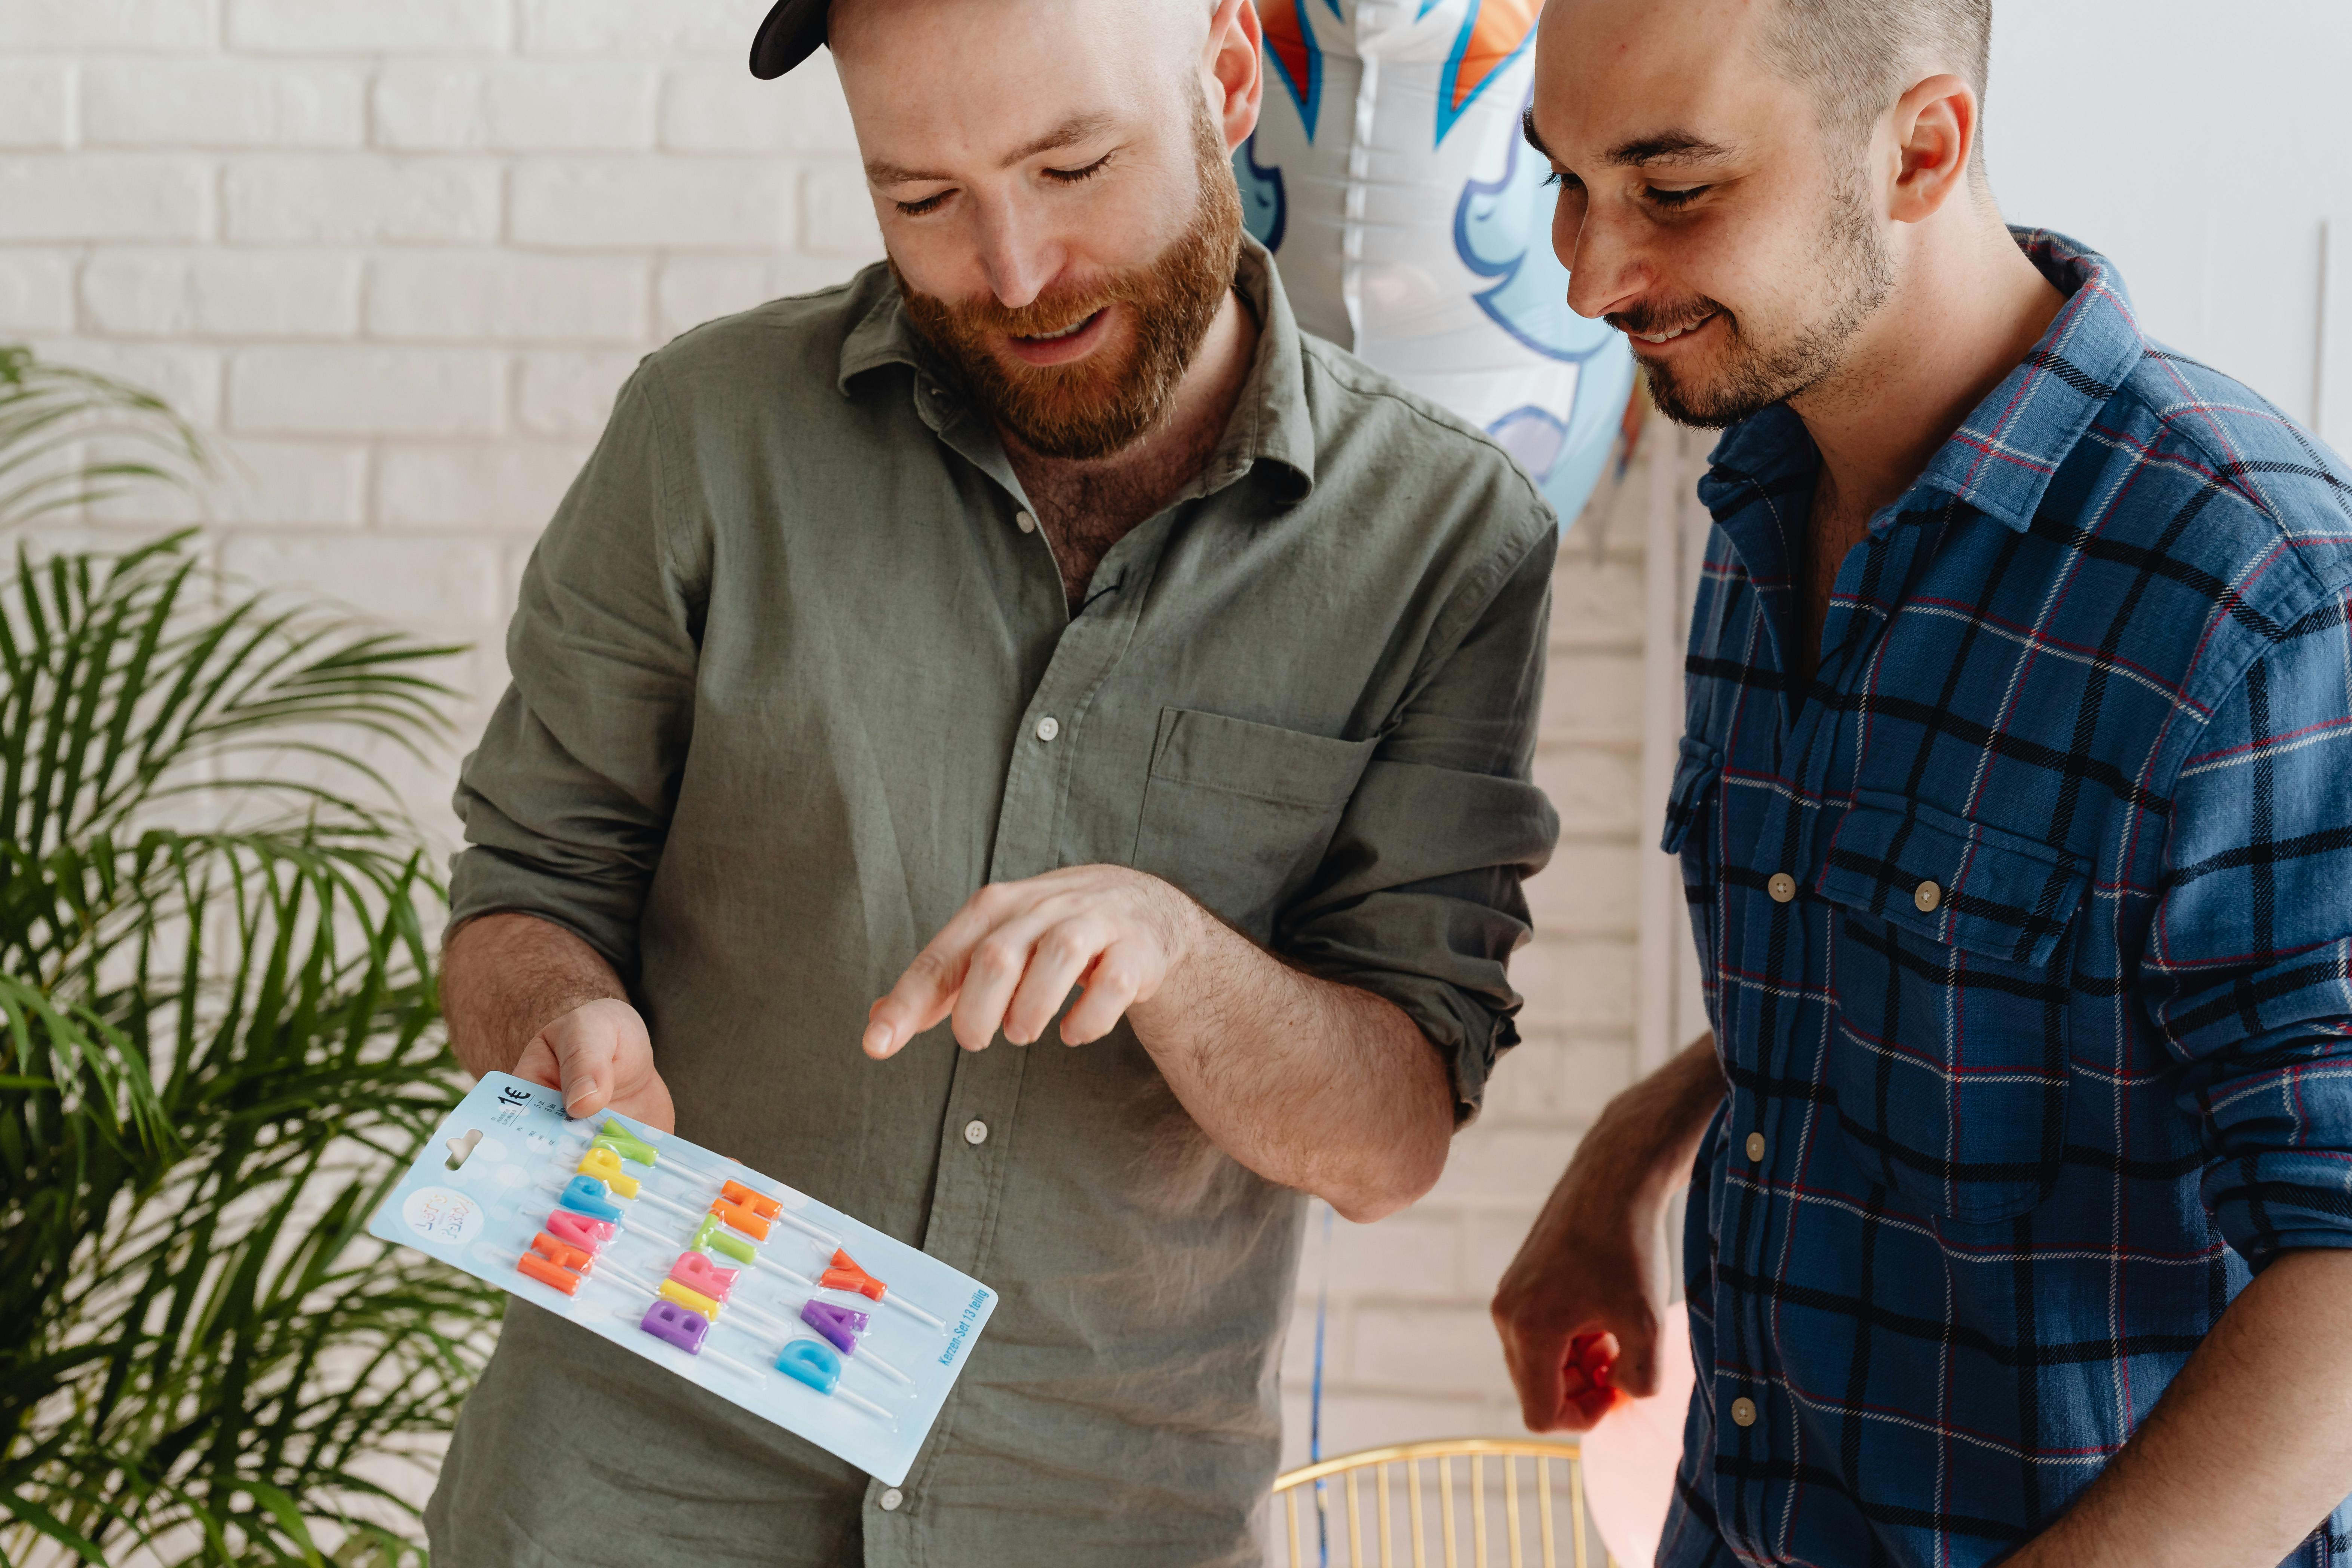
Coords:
pixel 793 32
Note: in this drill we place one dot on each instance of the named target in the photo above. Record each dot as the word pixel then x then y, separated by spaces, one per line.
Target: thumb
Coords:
pixel 583 1061
pixel 1635 1367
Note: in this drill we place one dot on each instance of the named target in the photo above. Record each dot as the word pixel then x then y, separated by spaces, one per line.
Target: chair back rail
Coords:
pixel 1534 1518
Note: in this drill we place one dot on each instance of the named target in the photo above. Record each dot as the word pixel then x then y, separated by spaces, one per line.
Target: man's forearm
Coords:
pixel 1595 1266
pixel 1645 1141
pixel 1315 1085
pixel 2246 1452
pixel 504 977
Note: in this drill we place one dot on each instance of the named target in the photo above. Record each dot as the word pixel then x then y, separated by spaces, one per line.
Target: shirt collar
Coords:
pixel 1270 421
pixel 2002 457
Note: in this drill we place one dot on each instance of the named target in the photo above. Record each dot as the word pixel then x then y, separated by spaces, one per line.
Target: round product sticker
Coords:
pixel 444 1214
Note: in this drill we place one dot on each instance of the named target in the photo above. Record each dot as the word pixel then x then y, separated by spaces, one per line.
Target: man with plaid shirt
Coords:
pixel 2015 811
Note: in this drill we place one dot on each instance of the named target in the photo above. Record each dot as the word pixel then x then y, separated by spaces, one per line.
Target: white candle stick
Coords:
pixel 857 1399
pixel 891 1298
pixel 732 1364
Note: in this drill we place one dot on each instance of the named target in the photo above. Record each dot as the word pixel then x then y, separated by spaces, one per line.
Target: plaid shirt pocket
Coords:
pixel 1949 959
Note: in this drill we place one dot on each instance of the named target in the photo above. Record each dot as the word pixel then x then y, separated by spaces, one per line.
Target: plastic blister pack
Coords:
pixel 771 1301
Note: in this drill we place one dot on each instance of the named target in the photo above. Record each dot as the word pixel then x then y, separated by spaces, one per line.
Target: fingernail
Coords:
pixel 878 1038
pixel 577 1098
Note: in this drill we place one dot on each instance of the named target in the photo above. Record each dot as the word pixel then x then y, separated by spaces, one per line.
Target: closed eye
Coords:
pixel 1673 199
pixel 1072 176
pixel 928 205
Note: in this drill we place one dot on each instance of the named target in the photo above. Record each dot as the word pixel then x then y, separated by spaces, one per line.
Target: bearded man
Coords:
pixel 1040 610
pixel 2015 812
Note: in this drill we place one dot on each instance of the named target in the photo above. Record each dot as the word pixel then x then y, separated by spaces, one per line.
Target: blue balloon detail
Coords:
pixel 1502 230
pixel 1534 436
pixel 1265 209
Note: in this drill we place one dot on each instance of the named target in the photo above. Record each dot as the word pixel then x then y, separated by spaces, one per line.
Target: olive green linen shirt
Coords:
pixel 793 675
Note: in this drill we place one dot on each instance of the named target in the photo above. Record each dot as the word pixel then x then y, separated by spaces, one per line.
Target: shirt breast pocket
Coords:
pixel 1238 815
pixel 1950 949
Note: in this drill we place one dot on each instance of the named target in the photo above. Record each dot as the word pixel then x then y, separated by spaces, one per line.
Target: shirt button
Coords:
pixel 1024 522
pixel 1782 887
pixel 1743 1413
pixel 890 1499
pixel 1927 895
pixel 976 1132
pixel 1048 727
pixel 1756 1145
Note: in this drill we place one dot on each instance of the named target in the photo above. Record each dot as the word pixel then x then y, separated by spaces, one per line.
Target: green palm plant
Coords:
pixel 219 1039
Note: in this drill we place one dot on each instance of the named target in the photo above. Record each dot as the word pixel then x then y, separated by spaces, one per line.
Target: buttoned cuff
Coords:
pixel 1393 945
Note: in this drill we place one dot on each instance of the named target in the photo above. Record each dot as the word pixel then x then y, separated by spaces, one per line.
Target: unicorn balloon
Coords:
pixel 1412 225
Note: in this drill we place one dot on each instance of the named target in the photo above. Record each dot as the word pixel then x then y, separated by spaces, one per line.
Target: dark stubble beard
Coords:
pixel 1851 253
pixel 1098 405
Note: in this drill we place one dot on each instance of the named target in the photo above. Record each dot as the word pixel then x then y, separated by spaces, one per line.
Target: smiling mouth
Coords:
pixel 1080 325
pixel 1669 336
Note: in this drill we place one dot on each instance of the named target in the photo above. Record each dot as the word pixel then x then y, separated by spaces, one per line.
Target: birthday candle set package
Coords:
pixel 766 1298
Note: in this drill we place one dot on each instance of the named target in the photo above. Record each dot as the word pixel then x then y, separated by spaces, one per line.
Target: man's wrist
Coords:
pixel 1630 1161
pixel 1185 931
pixel 506 976
pixel 1646 1138
pixel 1189 927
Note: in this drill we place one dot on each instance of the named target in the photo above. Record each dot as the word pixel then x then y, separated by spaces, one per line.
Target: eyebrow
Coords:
pixel 1664 147
pixel 1078 127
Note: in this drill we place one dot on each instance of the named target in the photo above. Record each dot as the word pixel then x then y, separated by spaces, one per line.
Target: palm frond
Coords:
pixel 219 1046
pixel 72 437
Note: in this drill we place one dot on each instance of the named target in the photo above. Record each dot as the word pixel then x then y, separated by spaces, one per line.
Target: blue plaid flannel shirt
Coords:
pixel 2026 934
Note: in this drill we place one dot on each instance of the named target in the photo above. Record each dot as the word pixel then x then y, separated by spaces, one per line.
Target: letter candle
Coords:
pixel 711 1234
pixel 697 1284
pixel 696 1275
pixel 843 1272
pixel 666 1320
pixel 618 1143
pixel 683 1317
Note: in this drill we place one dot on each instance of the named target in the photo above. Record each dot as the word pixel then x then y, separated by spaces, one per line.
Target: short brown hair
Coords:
pixel 1859 56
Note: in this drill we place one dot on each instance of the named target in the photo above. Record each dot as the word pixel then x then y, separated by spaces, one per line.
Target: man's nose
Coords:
pixel 1018 255
pixel 1606 271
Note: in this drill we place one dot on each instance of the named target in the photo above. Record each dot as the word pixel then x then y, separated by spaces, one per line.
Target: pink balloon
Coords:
pixel 1632 1453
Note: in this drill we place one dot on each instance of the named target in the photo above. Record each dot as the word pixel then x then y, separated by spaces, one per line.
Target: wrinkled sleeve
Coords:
pixel 1418 898
pixel 568 799
pixel 2247 962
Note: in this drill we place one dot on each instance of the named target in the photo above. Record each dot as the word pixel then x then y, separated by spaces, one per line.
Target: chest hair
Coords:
pixel 1085 507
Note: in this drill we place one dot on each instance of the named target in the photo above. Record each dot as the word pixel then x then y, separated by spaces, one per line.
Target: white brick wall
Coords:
pixel 396 258
pixel 1408 1349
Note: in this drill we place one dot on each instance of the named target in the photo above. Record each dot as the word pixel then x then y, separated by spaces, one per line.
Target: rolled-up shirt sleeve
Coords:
pixel 1418 898
pixel 568 799
pixel 2249 963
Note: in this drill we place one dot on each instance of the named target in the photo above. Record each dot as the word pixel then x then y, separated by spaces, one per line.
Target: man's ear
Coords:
pixel 1934 142
pixel 1232 72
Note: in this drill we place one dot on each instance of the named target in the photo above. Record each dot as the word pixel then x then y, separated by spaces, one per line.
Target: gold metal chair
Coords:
pixel 1524 1495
